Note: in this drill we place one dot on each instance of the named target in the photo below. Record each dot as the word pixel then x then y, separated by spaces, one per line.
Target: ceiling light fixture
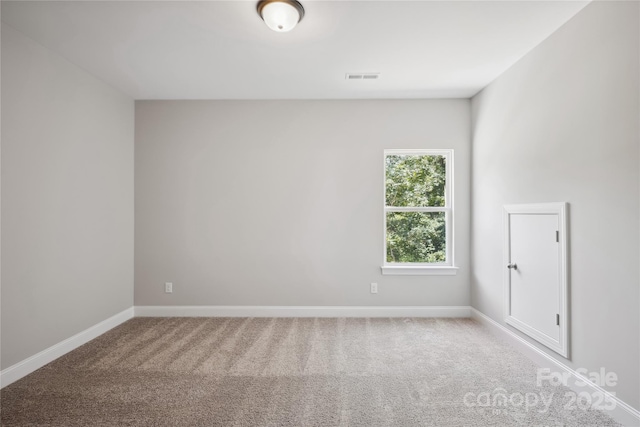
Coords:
pixel 280 15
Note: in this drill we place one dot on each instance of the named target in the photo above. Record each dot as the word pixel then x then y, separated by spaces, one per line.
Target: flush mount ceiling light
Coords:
pixel 280 15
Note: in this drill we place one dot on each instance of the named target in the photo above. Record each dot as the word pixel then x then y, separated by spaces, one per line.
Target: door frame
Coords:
pixel 561 346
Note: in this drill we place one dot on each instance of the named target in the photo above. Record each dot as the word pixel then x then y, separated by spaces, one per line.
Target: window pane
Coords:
pixel 416 237
pixel 413 180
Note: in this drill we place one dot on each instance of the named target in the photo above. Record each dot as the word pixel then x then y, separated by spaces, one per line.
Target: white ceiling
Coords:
pixel 222 49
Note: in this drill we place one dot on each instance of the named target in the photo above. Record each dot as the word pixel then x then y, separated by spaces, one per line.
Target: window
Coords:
pixel 418 212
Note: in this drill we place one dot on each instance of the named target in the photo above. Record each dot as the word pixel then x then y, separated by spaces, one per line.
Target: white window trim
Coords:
pixel 419 269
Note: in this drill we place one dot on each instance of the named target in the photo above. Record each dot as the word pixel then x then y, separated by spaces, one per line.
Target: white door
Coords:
pixel 535 274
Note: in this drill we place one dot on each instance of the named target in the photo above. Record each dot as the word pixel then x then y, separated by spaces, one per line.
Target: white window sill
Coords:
pixel 418 270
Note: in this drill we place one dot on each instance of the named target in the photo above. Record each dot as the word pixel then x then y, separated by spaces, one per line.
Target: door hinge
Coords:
pixel 557 319
pixel 557 236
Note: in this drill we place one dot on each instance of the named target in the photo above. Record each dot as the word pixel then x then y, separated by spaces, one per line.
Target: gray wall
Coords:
pixel 562 125
pixel 280 202
pixel 67 199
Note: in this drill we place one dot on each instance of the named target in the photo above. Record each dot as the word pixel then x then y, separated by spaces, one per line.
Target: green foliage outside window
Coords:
pixel 415 181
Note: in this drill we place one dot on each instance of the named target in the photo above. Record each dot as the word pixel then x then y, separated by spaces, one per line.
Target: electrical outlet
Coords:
pixel 374 288
pixel 168 288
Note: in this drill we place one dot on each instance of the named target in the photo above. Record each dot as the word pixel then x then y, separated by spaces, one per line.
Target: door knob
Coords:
pixel 512 266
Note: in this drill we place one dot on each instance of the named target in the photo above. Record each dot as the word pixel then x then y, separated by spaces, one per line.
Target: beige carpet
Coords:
pixel 291 372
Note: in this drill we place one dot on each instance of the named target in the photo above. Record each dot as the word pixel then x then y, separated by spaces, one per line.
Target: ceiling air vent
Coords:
pixel 362 76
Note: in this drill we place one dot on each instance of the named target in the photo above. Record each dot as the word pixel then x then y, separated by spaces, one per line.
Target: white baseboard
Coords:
pixel 300 311
pixel 622 412
pixel 15 372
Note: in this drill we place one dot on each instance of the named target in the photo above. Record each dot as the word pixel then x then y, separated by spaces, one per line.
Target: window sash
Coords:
pixel 448 239
pixel 416 209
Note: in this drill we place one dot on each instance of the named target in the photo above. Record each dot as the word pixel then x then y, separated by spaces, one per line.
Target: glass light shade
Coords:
pixel 280 17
